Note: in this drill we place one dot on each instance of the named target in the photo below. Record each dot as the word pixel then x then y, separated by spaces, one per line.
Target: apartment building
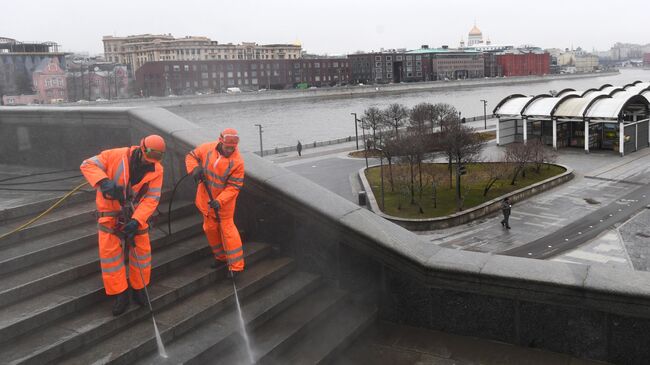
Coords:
pixel 136 50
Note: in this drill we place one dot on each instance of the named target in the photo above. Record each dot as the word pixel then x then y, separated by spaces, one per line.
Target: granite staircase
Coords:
pixel 53 308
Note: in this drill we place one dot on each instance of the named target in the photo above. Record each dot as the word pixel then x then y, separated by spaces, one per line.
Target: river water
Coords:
pixel 285 122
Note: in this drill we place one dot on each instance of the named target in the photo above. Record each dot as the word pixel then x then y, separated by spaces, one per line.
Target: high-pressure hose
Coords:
pixel 171 200
pixel 216 213
pixel 31 221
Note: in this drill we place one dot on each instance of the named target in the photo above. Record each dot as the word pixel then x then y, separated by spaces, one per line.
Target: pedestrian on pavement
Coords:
pixel 125 178
pixel 506 208
pixel 299 148
pixel 221 166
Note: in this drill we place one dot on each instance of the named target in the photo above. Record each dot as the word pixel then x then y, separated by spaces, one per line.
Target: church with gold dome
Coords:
pixel 475 36
pixel 476 42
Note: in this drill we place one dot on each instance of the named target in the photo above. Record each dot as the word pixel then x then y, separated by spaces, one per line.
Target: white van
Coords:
pixel 233 90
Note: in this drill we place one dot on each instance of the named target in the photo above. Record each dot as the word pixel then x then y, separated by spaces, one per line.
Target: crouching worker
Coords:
pixel 128 182
pixel 219 166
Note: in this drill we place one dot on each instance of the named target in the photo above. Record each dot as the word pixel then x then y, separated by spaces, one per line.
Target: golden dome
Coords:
pixel 475 31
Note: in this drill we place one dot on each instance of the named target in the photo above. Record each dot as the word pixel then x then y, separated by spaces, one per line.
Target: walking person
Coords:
pixel 124 178
pixel 221 166
pixel 506 208
pixel 299 148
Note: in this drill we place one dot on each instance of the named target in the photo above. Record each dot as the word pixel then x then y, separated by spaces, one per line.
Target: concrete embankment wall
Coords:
pixel 587 311
pixel 342 92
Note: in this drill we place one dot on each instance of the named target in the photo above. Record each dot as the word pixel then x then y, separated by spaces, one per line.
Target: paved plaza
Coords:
pixel 602 179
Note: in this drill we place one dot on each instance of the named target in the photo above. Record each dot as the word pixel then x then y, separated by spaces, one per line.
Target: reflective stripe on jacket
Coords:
pixel 114 164
pixel 224 175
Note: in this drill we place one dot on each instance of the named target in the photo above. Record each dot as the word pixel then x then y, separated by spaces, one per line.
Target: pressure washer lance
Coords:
pixel 127 215
pixel 249 351
pixel 159 343
pixel 216 213
pixel 247 341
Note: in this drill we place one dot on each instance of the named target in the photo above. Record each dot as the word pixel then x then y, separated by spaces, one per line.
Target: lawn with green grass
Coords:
pixel 398 199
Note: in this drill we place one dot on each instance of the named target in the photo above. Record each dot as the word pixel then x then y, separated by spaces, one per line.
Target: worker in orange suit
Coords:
pixel 130 177
pixel 221 166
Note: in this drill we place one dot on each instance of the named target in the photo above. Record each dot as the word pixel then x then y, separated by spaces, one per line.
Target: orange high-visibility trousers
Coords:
pixel 111 258
pixel 231 249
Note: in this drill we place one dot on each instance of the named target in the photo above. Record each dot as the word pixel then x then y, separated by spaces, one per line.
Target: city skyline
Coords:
pixel 335 27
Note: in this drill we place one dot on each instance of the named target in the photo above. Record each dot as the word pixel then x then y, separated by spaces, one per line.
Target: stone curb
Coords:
pixel 465 216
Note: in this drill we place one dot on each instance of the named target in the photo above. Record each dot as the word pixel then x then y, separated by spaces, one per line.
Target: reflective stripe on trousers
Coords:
pixel 231 250
pixel 111 258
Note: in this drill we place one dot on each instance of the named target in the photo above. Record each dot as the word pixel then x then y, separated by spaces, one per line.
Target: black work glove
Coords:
pixel 130 229
pixel 214 204
pixel 197 174
pixel 110 190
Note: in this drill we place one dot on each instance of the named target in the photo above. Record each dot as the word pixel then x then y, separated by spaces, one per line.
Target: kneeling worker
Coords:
pixel 219 166
pixel 125 178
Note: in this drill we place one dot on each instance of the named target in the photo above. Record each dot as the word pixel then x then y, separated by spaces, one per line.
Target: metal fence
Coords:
pixel 277 150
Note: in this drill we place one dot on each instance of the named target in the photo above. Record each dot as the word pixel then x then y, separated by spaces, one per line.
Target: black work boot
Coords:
pixel 140 297
pixel 121 303
pixel 233 274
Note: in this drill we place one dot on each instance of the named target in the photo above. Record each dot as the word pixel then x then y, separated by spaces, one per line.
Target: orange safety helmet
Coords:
pixel 229 137
pixel 153 148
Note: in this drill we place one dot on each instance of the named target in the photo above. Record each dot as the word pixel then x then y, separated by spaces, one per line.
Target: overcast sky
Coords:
pixel 332 26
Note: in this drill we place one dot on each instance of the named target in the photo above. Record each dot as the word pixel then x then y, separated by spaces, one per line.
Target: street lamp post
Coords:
pixel 261 147
pixel 356 132
pixel 365 145
pixel 381 172
pixel 484 113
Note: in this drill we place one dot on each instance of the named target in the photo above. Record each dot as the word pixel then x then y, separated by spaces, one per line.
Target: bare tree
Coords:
pixel 462 146
pixel 494 173
pixel 396 115
pixel 411 148
pixel 541 154
pixel 374 120
pixel 441 113
pixel 420 115
pixel 447 117
pixel 390 148
pixel 519 155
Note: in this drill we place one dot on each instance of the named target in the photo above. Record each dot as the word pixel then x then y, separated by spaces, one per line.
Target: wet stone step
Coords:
pixel 219 333
pixel 286 328
pixel 180 304
pixel 32 280
pixel 36 311
pixel 62 216
pixel 67 240
pixel 329 338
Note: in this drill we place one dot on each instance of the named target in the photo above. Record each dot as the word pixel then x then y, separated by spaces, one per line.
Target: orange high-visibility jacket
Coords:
pixel 114 164
pixel 224 175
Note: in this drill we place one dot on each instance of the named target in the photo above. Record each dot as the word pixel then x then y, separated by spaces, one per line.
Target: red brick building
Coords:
pixel 646 60
pixel 524 63
pixel 50 82
pixel 187 77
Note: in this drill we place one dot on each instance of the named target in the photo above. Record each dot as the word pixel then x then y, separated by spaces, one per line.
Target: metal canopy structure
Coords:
pixel 612 108
pixel 564 91
pixel 627 108
pixel 545 107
